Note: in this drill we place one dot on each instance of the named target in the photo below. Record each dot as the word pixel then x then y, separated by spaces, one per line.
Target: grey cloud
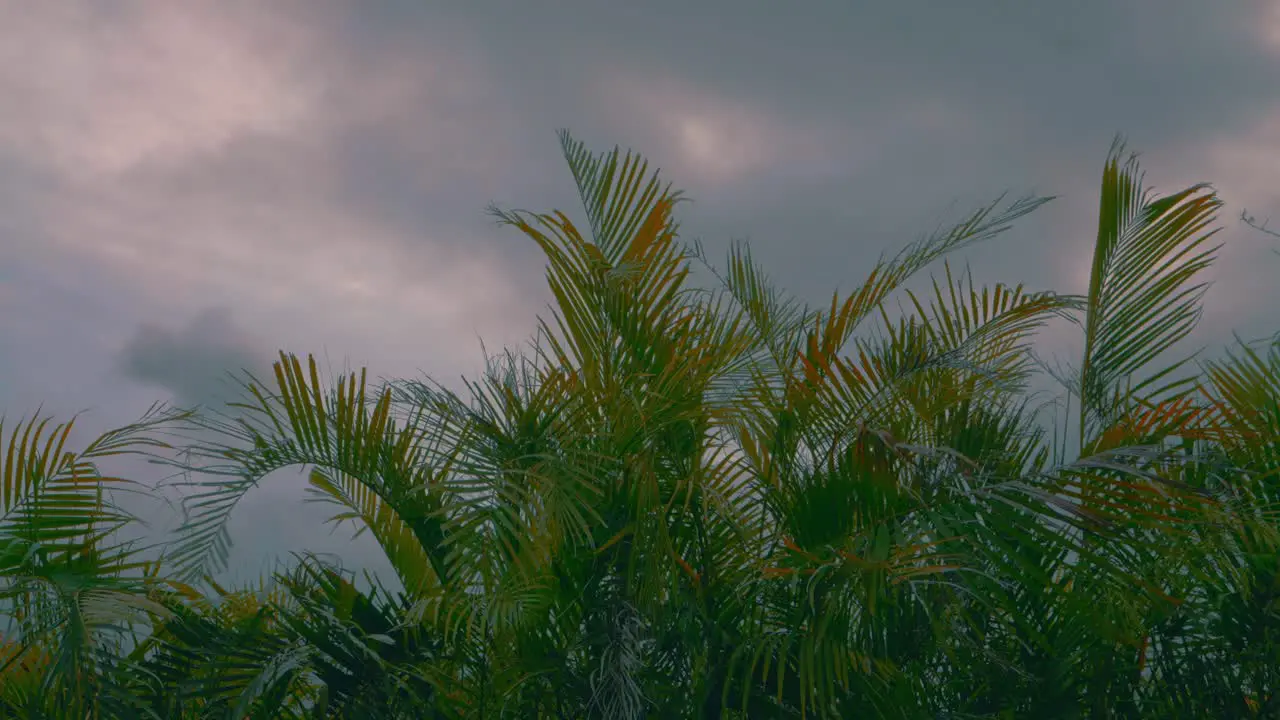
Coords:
pixel 320 169
pixel 920 109
pixel 193 362
pixel 1037 62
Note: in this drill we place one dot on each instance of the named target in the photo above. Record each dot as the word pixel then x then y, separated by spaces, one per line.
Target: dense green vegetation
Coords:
pixel 706 502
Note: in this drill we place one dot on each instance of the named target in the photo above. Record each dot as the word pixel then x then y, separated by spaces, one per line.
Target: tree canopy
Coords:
pixel 689 501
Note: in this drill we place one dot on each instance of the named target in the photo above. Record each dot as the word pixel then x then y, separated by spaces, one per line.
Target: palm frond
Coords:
pixel 1143 295
pixel 298 425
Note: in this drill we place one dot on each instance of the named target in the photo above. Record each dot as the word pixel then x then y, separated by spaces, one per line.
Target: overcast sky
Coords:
pixel 187 187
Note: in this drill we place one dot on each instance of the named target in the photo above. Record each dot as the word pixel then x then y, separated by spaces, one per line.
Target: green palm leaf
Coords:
pixel 1143 295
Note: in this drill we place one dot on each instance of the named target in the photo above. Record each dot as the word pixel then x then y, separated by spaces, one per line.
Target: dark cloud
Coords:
pixel 193 362
pixel 1193 65
pixel 920 113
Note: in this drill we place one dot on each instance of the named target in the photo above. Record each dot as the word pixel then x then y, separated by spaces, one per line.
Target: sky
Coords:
pixel 187 188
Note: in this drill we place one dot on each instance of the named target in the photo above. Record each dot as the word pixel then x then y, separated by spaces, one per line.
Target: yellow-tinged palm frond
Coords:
pixel 990 327
pixel 1242 392
pixel 393 535
pixel 53 500
pixel 300 424
pixel 23 668
pixel 972 348
pixel 608 309
pixel 632 235
pixel 782 324
pixel 618 200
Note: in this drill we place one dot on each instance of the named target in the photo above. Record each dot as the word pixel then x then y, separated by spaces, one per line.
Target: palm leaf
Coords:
pixel 1143 295
pixel 298 425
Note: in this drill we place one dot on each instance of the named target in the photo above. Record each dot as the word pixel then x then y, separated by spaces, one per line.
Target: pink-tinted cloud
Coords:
pixel 100 89
pixel 195 156
pixel 712 139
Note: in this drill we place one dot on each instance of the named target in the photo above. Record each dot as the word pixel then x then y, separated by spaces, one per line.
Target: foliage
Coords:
pixel 684 501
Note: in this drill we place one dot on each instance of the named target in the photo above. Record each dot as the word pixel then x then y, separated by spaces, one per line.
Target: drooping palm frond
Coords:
pixel 56 501
pixel 300 424
pixel 371 514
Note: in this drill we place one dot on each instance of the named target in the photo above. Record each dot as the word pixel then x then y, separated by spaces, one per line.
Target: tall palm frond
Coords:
pixel 1143 292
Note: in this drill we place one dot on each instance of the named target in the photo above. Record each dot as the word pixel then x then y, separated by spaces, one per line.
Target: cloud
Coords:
pixel 134 83
pixel 1243 170
pixel 710 138
pixel 317 170
pixel 327 191
pixel 192 363
pixel 1270 26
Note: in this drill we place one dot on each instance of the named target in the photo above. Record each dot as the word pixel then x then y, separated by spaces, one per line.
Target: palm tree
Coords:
pixel 693 502
pixel 1086 641
pixel 685 501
